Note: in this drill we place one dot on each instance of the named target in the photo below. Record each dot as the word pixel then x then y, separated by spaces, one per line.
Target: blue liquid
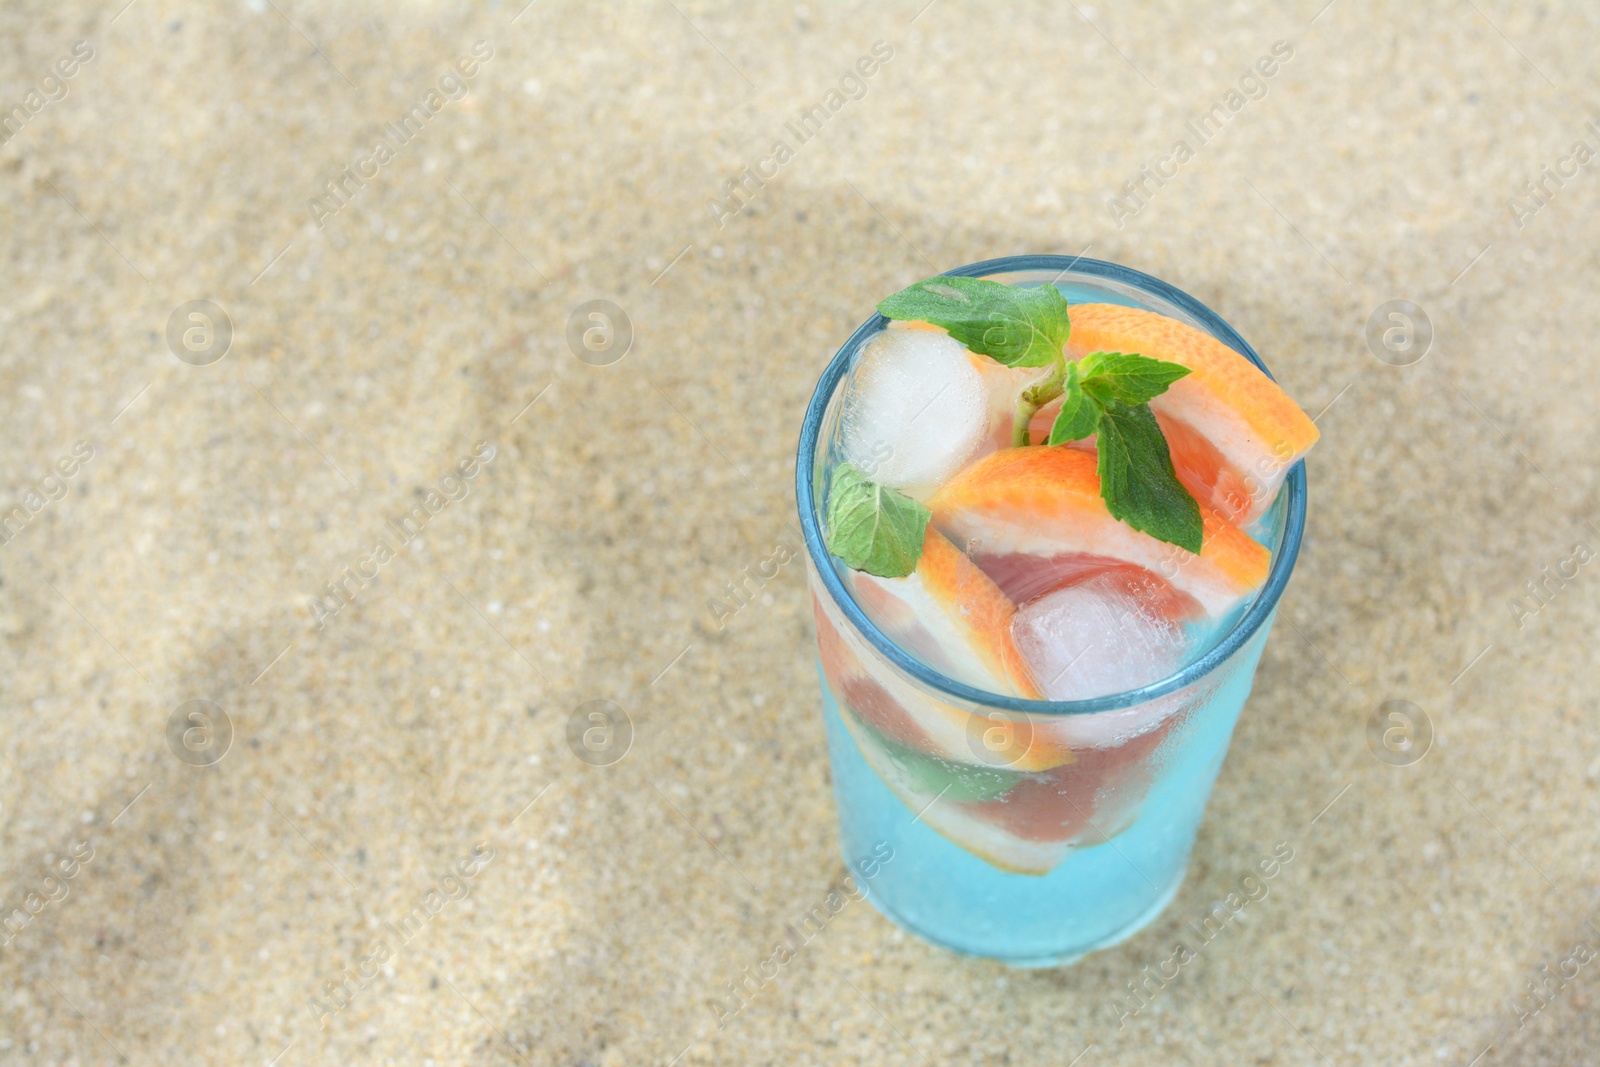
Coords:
pixel 1097 896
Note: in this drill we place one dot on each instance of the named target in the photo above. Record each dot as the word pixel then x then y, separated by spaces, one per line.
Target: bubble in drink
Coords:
pixel 916 410
pixel 1099 637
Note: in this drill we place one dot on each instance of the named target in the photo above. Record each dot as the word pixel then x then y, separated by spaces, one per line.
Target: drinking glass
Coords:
pixel 1070 826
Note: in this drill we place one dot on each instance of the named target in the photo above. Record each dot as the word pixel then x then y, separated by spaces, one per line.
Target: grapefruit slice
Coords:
pixel 1025 578
pixel 1045 501
pixel 896 708
pixel 952 616
pixel 973 831
pixel 1023 822
pixel 1092 799
pixel 1232 431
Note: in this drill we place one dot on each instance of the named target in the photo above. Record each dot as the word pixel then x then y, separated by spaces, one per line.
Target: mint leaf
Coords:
pixel 1080 413
pixel 1128 377
pixel 1137 481
pixel 872 528
pixel 1018 327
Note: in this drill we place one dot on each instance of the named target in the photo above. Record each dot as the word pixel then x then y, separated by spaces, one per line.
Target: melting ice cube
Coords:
pixel 916 410
pixel 1105 635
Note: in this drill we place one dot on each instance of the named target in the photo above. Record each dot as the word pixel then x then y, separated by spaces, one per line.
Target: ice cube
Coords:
pixel 916 410
pixel 1104 635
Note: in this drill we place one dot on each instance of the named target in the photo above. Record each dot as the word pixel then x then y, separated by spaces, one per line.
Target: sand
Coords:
pixel 415 325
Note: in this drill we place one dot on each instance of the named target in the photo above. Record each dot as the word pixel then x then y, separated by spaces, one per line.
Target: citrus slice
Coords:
pixel 1045 501
pixel 1025 578
pixel 1024 823
pixel 884 699
pixel 1232 431
pixel 979 834
pixel 1094 798
pixel 952 616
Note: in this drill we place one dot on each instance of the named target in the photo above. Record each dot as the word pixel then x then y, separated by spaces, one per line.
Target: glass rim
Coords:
pixel 1243 630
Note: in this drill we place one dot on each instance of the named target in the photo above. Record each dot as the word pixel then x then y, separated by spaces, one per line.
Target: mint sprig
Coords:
pixel 873 528
pixel 1128 377
pixel 1105 395
pixel 1108 394
pixel 1137 481
pixel 1103 378
pixel 1015 326
pixel 1079 416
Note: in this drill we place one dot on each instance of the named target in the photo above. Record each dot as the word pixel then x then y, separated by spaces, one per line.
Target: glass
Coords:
pixel 1075 819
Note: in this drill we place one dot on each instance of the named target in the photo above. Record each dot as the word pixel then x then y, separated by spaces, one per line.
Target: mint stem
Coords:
pixel 1034 397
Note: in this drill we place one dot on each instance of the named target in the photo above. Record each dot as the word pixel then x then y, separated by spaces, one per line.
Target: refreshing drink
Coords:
pixel 1049 505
